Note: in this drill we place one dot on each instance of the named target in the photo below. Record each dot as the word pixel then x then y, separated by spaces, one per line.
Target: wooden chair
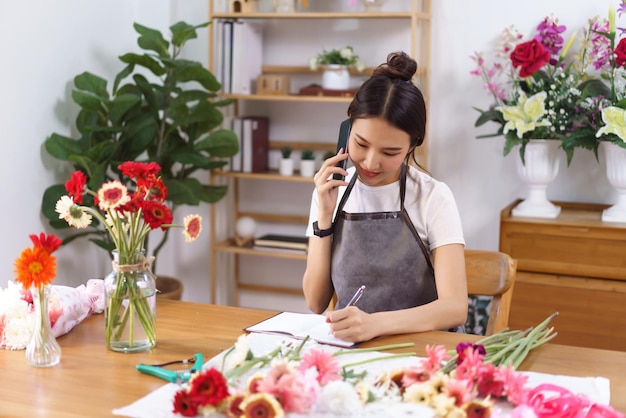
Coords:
pixel 492 273
pixel 489 273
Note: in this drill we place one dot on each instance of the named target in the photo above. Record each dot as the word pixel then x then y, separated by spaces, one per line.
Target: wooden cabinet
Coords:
pixel 324 25
pixel 574 264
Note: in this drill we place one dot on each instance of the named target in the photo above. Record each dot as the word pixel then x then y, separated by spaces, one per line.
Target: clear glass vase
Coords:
pixel 130 310
pixel 43 349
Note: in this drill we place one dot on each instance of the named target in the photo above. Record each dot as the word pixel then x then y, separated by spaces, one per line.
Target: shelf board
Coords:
pixel 323 15
pixel 270 175
pixel 228 246
pixel 288 98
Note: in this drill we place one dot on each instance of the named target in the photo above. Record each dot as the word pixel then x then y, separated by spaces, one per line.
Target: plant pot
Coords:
pixel 169 288
pixel 335 77
pixel 540 169
pixel 307 168
pixel 615 157
pixel 285 167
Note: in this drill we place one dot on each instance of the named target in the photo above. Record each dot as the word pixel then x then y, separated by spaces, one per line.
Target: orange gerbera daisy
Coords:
pixel 35 267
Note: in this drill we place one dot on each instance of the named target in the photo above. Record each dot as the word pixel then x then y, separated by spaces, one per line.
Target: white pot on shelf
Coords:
pixel 335 77
pixel 540 169
pixel 615 157
pixel 285 167
pixel 307 168
pixel 373 5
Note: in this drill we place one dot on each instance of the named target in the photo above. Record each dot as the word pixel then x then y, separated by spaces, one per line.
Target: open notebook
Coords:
pixel 299 325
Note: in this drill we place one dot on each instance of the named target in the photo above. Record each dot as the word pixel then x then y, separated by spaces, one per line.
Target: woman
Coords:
pixel 389 226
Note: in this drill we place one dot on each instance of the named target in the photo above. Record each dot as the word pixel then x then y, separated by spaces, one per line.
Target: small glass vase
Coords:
pixel 43 349
pixel 130 310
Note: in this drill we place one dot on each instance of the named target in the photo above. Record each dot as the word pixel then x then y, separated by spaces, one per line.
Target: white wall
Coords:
pixel 45 44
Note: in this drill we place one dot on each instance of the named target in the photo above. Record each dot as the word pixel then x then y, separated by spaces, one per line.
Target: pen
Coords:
pixel 357 296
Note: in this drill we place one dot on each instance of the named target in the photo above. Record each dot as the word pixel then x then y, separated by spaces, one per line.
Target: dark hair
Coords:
pixel 389 93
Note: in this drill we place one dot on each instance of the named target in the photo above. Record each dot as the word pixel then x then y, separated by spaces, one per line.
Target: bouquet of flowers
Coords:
pixel 602 117
pixel 536 85
pixel 128 217
pixel 314 380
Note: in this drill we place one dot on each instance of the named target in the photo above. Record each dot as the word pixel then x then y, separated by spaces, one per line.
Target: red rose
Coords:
pixel 620 53
pixel 530 56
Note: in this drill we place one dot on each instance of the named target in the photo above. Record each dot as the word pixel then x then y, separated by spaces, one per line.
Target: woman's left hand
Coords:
pixel 351 324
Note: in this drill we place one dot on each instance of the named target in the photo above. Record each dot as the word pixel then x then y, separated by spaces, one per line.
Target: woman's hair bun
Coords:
pixel 399 65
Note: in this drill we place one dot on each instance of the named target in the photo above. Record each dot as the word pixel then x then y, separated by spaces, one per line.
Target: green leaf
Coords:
pixel 152 40
pixel 212 194
pixel 183 192
pixel 92 83
pixel 510 142
pixel 145 61
pixel 594 88
pixel 61 147
pixel 88 101
pixel 222 143
pixel 182 32
pixel 126 71
pixel 120 105
pixel 199 74
pixel 49 200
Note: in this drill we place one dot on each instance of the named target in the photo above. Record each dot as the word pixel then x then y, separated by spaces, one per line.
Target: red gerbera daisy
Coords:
pixel 184 404
pixel 75 186
pixel 138 171
pixel 49 242
pixel 208 388
pixel 156 214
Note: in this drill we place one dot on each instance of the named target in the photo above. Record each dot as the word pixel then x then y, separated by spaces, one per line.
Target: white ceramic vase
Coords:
pixel 307 168
pixel 540 169
pixel 615 157
pixel 285 167
pixel 335 77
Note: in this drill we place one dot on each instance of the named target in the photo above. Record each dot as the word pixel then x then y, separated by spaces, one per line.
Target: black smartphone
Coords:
pixel 342 142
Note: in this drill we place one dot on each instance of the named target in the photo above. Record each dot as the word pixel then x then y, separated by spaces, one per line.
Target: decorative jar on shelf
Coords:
pixel 539 169
pixel 615 157
pixel 373 5
pixel 43 350
pixel 335 77
pixel 130 310
pixel 284 6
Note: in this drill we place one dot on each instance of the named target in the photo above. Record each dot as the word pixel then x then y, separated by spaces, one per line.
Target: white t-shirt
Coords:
pixel 429 203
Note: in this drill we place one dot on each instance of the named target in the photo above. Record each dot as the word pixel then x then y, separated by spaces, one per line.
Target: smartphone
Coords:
pixel 342 142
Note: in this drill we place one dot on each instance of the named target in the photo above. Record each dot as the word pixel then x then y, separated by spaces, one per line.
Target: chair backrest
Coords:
pixel 489 273
pixel 492 273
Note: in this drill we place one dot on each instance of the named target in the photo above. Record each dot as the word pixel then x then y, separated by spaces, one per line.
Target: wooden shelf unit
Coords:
pixel 417 18
pixel 574 264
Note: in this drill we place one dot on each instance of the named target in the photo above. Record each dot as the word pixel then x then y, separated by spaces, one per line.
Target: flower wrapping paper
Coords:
pixel 68 306
pixel 159 403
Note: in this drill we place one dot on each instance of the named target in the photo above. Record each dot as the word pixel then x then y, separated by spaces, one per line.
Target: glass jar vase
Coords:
pixel 130 298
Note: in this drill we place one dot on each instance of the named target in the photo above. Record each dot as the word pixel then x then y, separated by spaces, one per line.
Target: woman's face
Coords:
pixel 377 150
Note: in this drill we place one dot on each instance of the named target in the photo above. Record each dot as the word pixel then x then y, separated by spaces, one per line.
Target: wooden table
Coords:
pixel 92 381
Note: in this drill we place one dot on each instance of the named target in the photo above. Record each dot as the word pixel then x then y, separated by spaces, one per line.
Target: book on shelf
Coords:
pixel 299 326
pixel 282 241
pixel 255 148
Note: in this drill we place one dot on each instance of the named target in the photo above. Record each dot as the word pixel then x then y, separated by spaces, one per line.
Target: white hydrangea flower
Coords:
pixel 340 398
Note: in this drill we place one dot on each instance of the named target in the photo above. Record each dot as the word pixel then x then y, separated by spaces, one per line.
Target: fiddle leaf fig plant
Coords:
pixel 160 108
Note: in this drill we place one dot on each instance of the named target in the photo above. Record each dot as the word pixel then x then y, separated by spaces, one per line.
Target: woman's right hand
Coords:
pixel 328 188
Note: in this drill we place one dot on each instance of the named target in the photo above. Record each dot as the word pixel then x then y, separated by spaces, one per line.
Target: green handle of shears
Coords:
pixel 169 375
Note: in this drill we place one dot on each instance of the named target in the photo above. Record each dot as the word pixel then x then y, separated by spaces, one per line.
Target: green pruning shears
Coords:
pixel 174 376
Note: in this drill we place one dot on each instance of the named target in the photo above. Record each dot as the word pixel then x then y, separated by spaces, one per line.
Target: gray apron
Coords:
pixel 383 251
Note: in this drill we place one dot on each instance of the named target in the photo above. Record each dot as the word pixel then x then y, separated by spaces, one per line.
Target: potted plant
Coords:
pixel 160 108
pixel 307 163
pixel 285 167
pixel 336 64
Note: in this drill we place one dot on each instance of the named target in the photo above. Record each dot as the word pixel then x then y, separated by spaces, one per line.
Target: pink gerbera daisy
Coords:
pixel 325 363
pixel 192 227
pixel 112 194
